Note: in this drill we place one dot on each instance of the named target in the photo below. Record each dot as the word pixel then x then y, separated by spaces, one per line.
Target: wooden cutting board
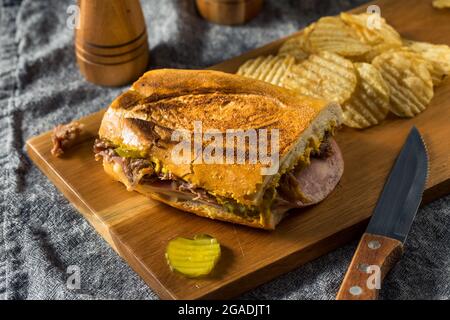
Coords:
pixel 139 228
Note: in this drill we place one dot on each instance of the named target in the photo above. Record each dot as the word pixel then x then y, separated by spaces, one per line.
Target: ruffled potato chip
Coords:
pixel 438 55
pixel 324 75
pixel 333 35
pixel 376 33
pixel 369 104
pixel 371 31
pixel 409 82
pixel 270 69
pixel 294 47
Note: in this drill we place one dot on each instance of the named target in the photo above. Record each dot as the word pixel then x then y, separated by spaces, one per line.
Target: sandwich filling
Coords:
pixel 316 174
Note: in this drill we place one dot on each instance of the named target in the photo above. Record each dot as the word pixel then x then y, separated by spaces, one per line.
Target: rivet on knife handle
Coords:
pixel 375 254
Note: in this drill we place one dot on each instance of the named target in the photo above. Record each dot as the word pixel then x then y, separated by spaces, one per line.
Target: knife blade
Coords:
pixel 382 244
pixel 402 193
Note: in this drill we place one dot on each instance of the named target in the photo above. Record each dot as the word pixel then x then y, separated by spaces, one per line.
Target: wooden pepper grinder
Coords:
pixel 229 12
pixel 111 41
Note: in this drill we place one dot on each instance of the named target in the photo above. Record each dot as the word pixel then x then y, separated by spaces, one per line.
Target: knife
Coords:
pixel 381 245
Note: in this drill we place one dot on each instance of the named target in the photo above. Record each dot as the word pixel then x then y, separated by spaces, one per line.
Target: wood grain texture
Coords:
pixel 111 43
pixel 229 12
pixel 373 252
pixel 139 228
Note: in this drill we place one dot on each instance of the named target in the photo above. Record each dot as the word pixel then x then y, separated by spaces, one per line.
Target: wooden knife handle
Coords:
pixel 373 259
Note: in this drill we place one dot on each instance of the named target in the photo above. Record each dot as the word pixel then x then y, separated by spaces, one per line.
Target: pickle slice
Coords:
pixel 129 153
pixel 193 257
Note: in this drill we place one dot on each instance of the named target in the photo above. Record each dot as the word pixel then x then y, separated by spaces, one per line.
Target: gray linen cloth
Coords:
pixel 40 86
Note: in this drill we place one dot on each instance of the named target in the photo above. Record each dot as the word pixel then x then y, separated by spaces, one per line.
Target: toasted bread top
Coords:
pixel 162 101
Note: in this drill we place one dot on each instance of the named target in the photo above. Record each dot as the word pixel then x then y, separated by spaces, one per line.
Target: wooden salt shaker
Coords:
pixel 111 41
pixel 229 12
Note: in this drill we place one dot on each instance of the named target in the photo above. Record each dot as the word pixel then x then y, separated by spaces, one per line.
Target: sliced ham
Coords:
pixel 311 184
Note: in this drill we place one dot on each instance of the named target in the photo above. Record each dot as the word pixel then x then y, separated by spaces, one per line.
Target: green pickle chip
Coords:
pixel 128 153
pixel 193 257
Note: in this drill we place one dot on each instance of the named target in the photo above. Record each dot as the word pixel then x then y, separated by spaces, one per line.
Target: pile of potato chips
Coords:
pixel 362 64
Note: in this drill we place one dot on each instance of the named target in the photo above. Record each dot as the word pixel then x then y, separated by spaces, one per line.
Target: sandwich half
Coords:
pixel 137 146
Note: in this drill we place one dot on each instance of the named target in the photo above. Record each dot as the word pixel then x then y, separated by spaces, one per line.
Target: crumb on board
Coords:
pixel 64 136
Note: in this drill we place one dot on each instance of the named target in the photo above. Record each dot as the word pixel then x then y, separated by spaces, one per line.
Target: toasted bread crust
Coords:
pixel 162 101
